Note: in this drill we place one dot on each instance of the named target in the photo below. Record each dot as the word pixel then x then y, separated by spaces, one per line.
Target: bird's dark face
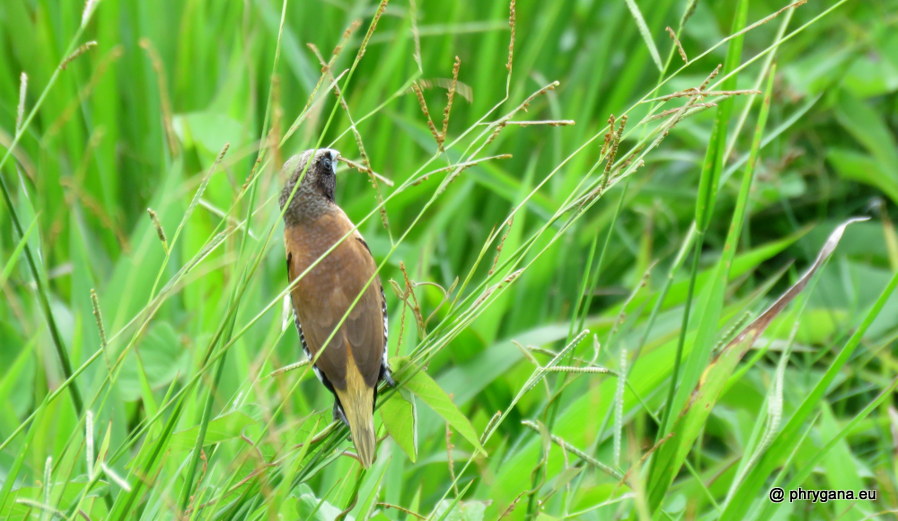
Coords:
pixel 315 192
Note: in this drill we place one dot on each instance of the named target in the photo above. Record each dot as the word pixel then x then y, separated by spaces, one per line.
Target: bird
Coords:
pixel 350 358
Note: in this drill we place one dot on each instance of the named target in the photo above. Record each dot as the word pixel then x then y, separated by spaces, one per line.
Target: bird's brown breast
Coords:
pixel 325 292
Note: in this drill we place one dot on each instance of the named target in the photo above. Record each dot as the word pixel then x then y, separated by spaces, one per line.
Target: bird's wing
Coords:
pixel 364 327
pixel 327 291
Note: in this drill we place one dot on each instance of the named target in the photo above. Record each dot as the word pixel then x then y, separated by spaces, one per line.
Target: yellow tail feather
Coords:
pixel 358 404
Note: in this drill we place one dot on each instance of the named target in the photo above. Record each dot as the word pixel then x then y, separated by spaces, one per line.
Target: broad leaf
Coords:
pixel 400 418
pixel 423 386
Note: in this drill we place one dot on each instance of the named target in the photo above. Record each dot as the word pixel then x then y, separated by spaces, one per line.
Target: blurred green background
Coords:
pixel 128 105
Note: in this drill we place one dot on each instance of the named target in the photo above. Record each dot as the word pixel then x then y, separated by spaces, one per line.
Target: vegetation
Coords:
pixel 590 206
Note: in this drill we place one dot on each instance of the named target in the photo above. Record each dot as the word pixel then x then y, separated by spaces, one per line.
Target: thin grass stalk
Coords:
pixel 705 202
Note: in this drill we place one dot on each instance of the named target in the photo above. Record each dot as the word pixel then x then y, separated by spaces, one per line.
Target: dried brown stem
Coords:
pixel 98 317
pixel 511 25
pixel 450 94
pixel 710 77
pixel 424 109
pixel 673 36
pixel 83 48
pixel 160 232
pixel 612 153
pixel 410 293
pixel 353 27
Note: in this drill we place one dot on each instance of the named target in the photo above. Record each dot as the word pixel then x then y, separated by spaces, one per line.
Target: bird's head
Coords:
pixel 315 172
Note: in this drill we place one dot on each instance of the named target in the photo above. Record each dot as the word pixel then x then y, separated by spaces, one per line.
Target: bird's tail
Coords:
pixel 358 407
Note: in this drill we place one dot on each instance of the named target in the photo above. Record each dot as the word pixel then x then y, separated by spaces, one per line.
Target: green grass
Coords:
pixel 577 304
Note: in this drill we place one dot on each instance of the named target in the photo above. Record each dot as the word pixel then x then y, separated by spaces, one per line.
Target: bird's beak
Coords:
pixel 335 157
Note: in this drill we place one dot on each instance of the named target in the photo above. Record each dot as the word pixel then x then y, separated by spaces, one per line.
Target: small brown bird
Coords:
pixel 355 359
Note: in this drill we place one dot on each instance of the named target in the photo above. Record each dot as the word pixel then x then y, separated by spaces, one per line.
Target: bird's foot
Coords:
pixel 386 375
